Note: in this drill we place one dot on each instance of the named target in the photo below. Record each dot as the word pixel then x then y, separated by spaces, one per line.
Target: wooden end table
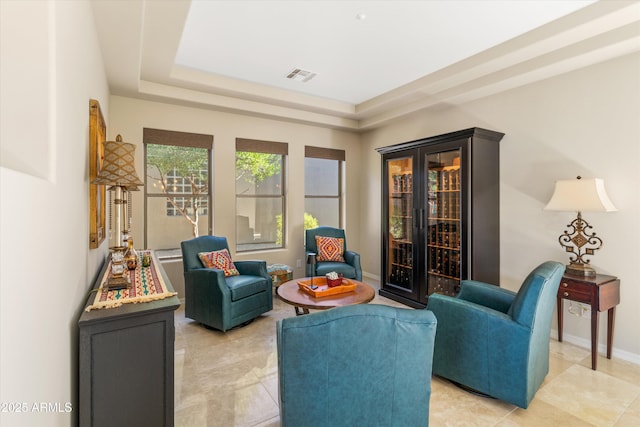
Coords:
pixel 290 293
pixel 602 293
pixel 279 273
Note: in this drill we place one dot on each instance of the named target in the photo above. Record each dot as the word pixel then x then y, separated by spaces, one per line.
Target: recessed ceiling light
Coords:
pixel 300 75
pixel 361 16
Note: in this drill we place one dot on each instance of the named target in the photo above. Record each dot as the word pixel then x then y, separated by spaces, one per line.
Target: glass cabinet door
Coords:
pixel 442 239
pixel 400 213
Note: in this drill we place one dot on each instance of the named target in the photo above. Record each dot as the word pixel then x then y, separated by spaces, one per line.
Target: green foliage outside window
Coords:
pixel 190 163
pixel 256 167
pixel 309 222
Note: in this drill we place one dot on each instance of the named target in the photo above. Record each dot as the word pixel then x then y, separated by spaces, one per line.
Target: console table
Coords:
pixel 126 358
pixel 602 293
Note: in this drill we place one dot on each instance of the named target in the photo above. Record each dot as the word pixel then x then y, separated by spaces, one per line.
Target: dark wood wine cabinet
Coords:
pixel 440 214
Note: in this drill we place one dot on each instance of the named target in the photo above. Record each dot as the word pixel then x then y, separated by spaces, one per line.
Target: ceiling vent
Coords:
pixel 300 75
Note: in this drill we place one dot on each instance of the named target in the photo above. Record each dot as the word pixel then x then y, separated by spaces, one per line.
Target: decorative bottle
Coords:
pixel 131 256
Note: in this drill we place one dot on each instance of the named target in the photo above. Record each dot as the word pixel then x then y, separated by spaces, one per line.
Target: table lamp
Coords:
pixel 118 171
pixel 580 195
pixel 311 260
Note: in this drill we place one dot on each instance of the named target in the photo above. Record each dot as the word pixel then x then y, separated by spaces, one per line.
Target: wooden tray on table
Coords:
pixel 323 290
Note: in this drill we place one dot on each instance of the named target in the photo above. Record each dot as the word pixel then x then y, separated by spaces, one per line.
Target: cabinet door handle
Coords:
pixel 566 294
pixel 418 215
pixel 565 284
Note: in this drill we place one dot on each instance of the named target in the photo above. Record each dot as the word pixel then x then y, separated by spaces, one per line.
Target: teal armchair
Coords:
pixel 350 269
pixel 359 365
pixel 496 341
pixel 223 302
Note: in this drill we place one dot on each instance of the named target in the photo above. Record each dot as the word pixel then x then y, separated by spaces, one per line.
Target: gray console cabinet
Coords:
pixel 126 363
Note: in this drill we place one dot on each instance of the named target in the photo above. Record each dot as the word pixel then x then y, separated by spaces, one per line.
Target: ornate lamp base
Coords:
pixel 116 283
pixel 579 241
pixel 580 269
pixel 118 279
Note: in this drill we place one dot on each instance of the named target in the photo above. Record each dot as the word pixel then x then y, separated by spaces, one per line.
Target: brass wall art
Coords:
pixel 97 193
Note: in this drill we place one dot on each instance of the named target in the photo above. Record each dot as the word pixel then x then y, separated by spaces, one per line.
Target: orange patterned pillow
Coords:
pixel 330 248
pixel 220 260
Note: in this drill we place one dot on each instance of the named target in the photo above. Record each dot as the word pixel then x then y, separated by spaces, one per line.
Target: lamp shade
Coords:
pixel 311 259
pixel 119 165
pixel 581 195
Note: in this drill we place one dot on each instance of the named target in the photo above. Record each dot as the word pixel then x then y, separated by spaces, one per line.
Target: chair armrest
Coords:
pixel 476 318
pixel 491 296
pixel 353 258
pixel 439 303
pixel 207 296
pixel 207 280
pixel 252 268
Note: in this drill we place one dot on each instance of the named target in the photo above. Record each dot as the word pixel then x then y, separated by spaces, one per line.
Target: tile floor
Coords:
pixel 230 379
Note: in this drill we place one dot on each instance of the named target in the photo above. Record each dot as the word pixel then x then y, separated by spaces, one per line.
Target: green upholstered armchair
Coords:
pixel 350 269
pixel 218 301
pixel 496 341
pixel 359 365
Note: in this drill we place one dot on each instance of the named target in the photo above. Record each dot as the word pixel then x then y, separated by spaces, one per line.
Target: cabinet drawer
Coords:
pixel 574 286
pixel 575 291
pixel 575 296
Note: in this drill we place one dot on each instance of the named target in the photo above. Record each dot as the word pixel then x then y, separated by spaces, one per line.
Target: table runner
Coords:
pixel 147 285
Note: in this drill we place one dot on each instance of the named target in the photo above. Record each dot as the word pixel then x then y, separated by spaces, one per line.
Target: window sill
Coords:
pixel 168 254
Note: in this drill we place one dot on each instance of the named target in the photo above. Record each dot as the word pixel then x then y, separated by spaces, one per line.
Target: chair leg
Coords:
pixel 300 311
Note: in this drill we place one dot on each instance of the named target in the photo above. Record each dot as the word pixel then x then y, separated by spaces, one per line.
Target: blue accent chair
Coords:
pixel 358 365
pixel 223 302
pixel 495 341
pixel 350 269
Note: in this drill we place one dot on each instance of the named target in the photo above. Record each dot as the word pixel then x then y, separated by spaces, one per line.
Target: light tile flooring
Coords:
pixel 230 379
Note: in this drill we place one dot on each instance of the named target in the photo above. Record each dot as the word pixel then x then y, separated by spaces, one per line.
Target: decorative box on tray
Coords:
pixel 323 288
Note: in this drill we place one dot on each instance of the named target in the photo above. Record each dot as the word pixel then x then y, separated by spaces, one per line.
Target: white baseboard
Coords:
pixel 602 348
pixel 371 276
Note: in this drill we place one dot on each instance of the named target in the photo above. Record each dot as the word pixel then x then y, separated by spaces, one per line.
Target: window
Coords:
pixel 177 187
pixel 323 187
pixel 182 185
pixel 260 194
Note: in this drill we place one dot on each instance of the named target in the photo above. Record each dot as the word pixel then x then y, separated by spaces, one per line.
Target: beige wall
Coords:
pixel 46 266
pixel 129 116
pixel 581 123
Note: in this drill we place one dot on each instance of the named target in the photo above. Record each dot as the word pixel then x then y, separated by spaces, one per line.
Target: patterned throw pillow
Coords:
pixel 330 248
pixel 220 260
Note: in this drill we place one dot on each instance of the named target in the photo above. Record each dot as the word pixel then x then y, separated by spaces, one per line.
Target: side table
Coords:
pixel 602 293
pixel 302 301
pixel 279 273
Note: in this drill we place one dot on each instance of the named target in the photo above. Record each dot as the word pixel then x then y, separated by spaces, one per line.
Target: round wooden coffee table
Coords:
pixel 290 293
